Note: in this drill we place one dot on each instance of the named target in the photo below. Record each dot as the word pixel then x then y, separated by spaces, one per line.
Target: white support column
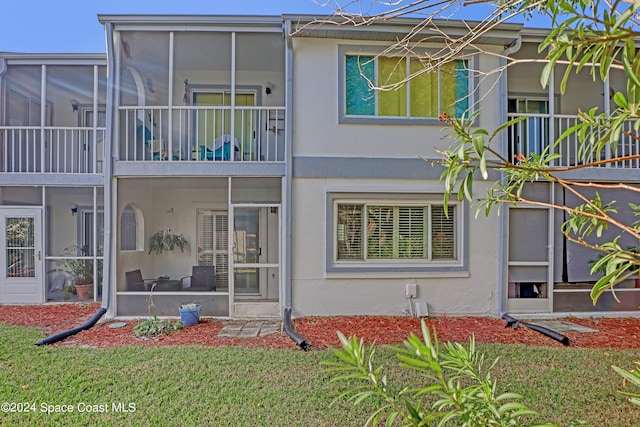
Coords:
pixel 94 249
pixel 94 161
pixel 552 112
pixel 233 94
pixel 43 116
pixel 170 96
pixel 550 243
pixel 607 111
pixel 230 240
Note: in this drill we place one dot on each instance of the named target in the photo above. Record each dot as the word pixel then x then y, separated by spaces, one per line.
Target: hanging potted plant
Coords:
pixel 165 240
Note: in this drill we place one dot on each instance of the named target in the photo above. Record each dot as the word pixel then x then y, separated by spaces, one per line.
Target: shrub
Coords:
pixel 459 390
pixel 153 326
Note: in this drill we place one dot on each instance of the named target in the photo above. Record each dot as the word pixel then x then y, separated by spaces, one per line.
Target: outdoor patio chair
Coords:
pixel 135 282
pixel 203 278
pixel 221 149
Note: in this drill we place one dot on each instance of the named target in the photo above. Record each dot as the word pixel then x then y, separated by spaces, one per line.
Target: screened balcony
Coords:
pixel 212 93
pixel 53 118
pixel 538 132
pixel 203 134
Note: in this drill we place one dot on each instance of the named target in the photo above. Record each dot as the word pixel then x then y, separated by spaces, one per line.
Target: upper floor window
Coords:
pixel 410 92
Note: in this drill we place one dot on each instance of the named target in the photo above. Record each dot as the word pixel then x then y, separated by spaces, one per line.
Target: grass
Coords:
pixel 247 387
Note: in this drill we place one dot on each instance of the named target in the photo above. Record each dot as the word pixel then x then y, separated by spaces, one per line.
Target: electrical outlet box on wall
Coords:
pixel 410 290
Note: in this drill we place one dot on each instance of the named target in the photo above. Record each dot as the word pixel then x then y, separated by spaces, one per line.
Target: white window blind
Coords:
pixel 395 232
pixel 442 233
pixel 213 243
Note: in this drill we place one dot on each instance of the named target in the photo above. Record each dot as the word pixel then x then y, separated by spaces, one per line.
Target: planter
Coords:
pixel 190 314
pixel 84 291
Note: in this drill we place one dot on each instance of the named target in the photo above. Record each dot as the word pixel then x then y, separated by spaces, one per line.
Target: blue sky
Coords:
pixel 67 26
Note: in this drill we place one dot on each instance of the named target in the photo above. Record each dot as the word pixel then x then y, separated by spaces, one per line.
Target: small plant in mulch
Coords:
pixel 152 327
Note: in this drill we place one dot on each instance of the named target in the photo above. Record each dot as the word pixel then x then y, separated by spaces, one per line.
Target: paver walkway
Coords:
pixel 562 326
pixel 250 328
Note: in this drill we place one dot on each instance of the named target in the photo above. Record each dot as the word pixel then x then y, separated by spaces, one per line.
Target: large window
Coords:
pixel 392 232
pixel 412 92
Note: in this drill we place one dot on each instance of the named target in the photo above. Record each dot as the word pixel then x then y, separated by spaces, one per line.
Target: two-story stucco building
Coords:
pixel 259 141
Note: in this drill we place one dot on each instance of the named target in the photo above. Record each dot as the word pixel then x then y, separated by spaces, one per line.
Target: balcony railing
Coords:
pixel 35 149
pixel 202 134
pixel 537 131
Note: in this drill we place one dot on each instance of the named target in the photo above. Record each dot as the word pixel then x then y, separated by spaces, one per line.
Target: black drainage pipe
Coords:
pixel 301 342
pixel 62 335
pixel 514 323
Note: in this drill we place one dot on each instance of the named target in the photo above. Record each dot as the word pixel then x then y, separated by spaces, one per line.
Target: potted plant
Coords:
pixel 80 271
pixel 165 240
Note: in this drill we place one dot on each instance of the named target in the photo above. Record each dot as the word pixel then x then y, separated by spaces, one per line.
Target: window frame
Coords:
pixel 334 264
pixel 343 117
pixel 138 231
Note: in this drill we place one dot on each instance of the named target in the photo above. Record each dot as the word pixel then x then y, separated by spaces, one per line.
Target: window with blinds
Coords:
pixel 371 232
pixel 213 247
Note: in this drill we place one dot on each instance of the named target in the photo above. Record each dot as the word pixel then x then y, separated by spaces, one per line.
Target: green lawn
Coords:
pixel 231 386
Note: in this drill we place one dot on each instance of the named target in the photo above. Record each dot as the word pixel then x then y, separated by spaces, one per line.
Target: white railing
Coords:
pixel 537 131
pixel 202 134
pixel 34 149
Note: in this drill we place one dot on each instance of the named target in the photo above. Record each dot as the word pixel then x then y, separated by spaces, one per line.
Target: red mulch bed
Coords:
pixel 618 333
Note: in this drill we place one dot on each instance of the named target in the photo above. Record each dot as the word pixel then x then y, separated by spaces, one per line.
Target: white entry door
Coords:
pixel 21 260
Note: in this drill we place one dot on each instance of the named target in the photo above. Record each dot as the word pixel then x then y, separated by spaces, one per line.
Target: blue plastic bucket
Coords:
pixel 190 314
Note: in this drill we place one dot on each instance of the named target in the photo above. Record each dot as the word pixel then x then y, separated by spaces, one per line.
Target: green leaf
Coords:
pixel 620 100
pixel 483 167
pixel 478 145
pixel 546 74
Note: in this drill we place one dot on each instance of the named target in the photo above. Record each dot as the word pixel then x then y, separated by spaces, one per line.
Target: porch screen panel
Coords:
pixel 20 251
pixel 392 102
pixel 360 98
pixel 209 123
pixel 528 234
pixel 87 233
pixel 349 231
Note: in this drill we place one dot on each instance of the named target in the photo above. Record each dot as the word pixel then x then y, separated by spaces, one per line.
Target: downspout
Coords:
pixel 502 227
pixel 108 182
pixel 287 270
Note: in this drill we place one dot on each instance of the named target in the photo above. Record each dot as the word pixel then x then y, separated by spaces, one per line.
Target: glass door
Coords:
pixel 213 127
pixel 256 248
pixel 21 260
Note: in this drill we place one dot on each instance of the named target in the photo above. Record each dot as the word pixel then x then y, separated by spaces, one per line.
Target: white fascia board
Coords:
pixel 336 27
pixel 55 58
pixel 238 23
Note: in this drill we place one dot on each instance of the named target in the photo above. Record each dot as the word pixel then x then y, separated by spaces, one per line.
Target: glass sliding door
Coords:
pixel 212 127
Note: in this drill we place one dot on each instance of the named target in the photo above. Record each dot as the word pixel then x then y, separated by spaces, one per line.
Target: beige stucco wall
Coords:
pixel 318 292
pixel 317 133
pixel 316 128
